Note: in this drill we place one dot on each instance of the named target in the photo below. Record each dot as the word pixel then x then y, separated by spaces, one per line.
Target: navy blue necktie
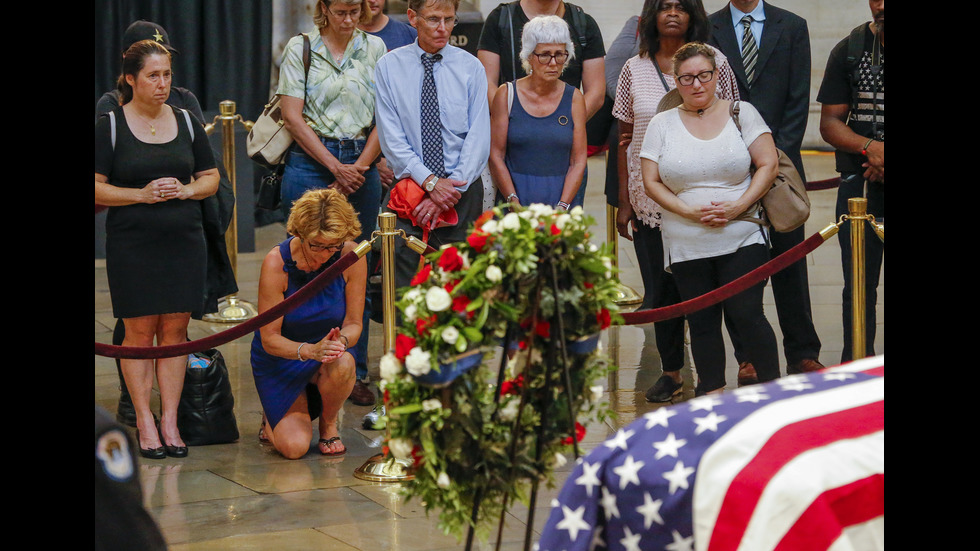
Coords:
pixel 431 124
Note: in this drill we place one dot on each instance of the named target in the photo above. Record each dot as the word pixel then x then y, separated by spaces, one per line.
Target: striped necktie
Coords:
pixel 750 52
pixel 432 155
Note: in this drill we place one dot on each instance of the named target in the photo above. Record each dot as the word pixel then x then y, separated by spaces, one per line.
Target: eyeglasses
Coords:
pixel 341 16
pixel 703 76
pixel 320 248
pixel 545 59
pixel 433 22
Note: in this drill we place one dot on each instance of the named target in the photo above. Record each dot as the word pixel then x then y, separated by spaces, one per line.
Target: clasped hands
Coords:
pixel 165 189
pixel 443 197
pixel 717 214
pixel 349 178
pixel 328 349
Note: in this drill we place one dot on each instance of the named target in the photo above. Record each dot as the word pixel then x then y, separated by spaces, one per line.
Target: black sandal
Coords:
pixel 329 441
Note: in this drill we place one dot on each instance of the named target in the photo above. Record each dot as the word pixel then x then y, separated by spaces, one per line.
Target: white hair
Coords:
pixel 545 29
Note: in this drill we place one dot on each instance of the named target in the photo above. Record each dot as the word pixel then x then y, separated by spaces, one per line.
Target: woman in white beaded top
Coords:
pixel 696 166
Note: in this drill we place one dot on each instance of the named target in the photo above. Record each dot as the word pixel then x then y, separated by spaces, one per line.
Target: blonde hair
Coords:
pixel 321 20
pixel 323 213
pixel 692 49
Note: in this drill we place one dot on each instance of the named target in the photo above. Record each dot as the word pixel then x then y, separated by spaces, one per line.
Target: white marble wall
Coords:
pixel 829 21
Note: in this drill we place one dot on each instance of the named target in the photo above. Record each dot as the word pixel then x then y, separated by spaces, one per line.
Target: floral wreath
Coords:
pixel 481 432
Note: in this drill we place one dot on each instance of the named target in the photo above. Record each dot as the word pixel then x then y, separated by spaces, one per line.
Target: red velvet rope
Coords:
pixel 244 328
pixel 823 184
pixel 729 289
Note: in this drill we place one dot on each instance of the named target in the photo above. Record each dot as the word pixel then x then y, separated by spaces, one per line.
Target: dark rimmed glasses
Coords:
pixel 545 59
pixel 703 77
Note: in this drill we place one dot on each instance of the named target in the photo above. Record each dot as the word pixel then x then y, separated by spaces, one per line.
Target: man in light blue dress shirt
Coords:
pixel 461 86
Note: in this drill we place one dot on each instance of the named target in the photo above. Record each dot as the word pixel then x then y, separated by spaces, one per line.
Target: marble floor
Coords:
pixel 245 496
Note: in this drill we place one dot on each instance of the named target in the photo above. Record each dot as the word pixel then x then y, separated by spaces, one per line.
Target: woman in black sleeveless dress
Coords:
pixel 153 165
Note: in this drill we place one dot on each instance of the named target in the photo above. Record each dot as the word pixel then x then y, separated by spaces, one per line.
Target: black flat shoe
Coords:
pixel 175 451
pixel 151 453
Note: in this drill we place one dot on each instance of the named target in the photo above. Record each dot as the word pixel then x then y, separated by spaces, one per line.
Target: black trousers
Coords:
pixel 659 290
pixel 853 185
pixel 743 311
pixel 791 292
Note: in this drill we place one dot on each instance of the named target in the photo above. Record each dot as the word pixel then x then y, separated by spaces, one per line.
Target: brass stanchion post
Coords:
pixel 857 213
pixel 625 295
pixel 230 308
pixel 378 468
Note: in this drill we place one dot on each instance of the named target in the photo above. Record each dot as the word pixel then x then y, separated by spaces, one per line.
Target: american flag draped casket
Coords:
pixel 796 464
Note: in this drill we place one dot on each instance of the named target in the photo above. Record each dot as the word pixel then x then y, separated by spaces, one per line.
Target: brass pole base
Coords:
pixel 378 469
pixel 626 296
pixel 231 310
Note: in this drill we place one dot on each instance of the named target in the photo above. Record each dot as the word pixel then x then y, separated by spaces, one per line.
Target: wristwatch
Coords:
pixel 430 183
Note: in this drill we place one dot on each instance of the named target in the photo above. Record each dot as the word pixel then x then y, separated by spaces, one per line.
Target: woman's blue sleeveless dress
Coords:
pixel 539 150
pixel 279 381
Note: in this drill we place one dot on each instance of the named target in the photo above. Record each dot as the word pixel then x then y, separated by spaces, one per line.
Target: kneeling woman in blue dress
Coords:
pixel 303 362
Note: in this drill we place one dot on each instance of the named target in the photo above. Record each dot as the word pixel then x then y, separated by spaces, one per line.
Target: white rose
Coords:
pixel 596 393
pixel 490 226
pixel 401 448
pixel 494 273
pixel 437 299
pixel 559 461
pixel 509 413
pixel 562 220
pixel 511 221
pixel 431 404
pixel 390 367
pixel 577 211
pixel 442 480
pixel 413 294
pixel 411 311
pixel 417 362
pixel 450 334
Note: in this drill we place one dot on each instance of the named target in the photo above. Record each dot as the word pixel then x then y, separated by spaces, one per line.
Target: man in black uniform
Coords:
pixel 852 119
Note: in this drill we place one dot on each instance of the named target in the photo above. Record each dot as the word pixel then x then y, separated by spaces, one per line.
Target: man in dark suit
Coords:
pixel 769 50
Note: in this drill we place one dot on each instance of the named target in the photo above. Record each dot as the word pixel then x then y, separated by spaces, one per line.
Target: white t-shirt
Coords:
pixel 698 172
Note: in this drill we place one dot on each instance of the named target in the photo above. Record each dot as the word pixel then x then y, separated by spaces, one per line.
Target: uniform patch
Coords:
pixel 112 451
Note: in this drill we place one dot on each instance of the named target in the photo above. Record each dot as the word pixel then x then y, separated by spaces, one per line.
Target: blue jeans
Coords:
pixel 303 173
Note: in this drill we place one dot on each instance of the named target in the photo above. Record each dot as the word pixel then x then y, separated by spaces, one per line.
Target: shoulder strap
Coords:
pixel 506 26
pixel 187 118
pixel 855 50
pixel 511 90
pixel 578 22
pixel 306 63
pixel 733 111
pixel 112 129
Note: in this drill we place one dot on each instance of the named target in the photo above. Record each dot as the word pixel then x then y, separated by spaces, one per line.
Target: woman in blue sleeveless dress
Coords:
pixel 538 141
pixel 306 356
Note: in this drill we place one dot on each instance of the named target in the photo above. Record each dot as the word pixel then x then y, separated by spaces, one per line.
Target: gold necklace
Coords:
pixel 306 258
pixel 153 130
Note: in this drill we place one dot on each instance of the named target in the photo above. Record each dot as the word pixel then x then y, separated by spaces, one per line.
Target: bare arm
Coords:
pixel 593 85
pixel 491 63
pixel 579 156
pixel 624 216
pixel 499 122
pixel 834 130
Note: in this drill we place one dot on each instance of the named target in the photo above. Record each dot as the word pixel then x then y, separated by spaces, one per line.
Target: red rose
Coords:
pixel 579 434
pixel 543 329
pixel 460 303
pixel 512 386
pixel 386 396
pixel 588 285
pixel 417 456
pixel 478 240
pixel 604 318
pixel 555 230
pixel 450 261
pixel 422 275
pixel 403 345
pixel 422 325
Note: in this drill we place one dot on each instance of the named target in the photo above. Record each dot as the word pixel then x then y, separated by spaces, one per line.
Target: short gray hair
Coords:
pixel 545 29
